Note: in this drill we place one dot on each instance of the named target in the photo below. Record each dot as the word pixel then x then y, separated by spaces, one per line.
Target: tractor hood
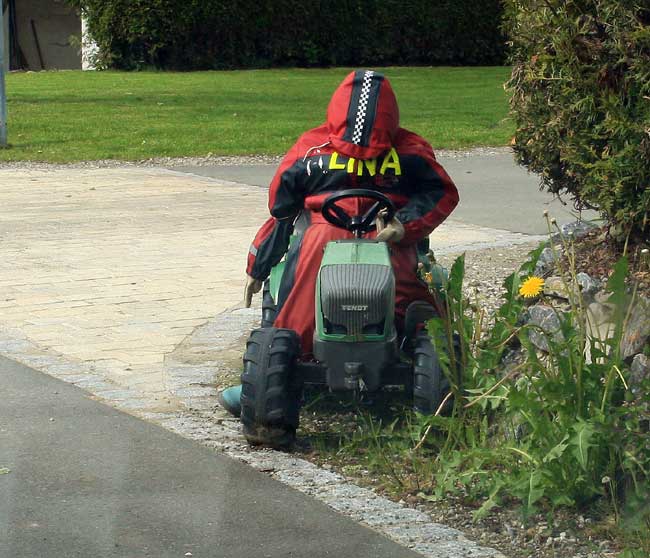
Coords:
pixel 363 116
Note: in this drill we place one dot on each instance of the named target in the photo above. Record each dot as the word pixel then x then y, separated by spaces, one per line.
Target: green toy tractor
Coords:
pixel 356 345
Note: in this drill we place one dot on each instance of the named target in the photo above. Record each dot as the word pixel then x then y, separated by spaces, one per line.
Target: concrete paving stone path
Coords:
pixel 115 267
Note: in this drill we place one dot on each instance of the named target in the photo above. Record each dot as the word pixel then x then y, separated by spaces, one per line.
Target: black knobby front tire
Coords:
pixel 270 399
pixel 430 384
pixel 269 308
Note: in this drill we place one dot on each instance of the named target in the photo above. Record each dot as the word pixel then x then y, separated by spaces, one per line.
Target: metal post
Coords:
pixel 3 96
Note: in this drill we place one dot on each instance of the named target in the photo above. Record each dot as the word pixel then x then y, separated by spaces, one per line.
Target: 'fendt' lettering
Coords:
pixel 391 161
pixel 354 307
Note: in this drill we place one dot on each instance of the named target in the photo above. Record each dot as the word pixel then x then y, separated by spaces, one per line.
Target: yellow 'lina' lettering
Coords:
pixel 370 164
pixel 334 162
pixel 391 161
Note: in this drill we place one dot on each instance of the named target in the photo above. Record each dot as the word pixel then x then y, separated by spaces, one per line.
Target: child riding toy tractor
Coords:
pixel 345 309
pixel 357 347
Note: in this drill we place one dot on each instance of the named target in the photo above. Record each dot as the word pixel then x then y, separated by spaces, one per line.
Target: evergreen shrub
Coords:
pixel 213 34
pixel 580 97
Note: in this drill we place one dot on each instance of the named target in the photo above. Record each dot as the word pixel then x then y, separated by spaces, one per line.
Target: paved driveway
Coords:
pixel 118 266
pixel 113 268
pixel 88 481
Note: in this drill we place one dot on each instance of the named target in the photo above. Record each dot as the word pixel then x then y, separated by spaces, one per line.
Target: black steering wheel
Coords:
pixel 357 224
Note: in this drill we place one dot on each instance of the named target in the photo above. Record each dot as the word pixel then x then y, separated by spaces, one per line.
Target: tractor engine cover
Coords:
pixel 355 298
pixel 356 302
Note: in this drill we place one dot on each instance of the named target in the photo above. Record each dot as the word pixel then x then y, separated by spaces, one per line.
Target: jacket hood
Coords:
pixel 363 116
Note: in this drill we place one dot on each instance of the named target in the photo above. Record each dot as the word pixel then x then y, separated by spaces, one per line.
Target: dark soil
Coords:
pixel 597 253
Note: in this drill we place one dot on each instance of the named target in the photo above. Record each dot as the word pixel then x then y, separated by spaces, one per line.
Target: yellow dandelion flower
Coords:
pixel 428 277
pixel 531 287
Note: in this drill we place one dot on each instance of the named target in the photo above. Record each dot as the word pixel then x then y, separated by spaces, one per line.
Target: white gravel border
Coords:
pixel 218 160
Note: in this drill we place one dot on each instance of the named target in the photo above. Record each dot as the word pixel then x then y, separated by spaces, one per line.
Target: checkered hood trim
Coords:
pixel 362 116
pixel 363 107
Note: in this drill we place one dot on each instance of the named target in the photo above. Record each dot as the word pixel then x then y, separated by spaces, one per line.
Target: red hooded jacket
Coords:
pixel 359 146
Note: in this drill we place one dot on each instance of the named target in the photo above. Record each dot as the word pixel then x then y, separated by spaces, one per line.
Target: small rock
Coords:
pixel 637 331
pixel 640 372
pixel 531 532
pixel 547 319
pixel 577 229
pixel 588 286
pixel 547 260
pixel 599 321
pixel 559 288
pixel 602 297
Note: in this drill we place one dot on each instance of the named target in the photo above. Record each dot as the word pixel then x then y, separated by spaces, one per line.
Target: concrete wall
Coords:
pixel 55 21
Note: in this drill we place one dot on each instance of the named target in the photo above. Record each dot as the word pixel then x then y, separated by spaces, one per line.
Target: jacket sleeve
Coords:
pixel 286 198
pixel 433 195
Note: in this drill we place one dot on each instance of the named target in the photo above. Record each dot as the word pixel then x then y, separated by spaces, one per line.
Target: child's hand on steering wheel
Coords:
pixel 393 231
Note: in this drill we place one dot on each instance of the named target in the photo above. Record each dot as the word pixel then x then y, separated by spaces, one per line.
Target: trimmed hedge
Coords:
pixel 215 34
pixel 581 100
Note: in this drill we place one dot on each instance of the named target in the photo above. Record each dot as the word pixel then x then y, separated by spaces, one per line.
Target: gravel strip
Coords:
pixel 485 271
pixel 215 160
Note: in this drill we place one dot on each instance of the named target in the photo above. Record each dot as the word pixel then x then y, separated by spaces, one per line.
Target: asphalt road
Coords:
pixel 86 480
pixel 494 191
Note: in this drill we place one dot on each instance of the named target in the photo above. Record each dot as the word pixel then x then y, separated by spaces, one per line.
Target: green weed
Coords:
pixel 545 430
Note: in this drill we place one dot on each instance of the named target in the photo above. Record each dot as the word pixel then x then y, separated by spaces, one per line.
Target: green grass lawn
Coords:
pixel 72 116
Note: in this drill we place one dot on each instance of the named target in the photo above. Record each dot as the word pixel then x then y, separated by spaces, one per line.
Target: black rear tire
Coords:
pixel 430 384
pixel 270 399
